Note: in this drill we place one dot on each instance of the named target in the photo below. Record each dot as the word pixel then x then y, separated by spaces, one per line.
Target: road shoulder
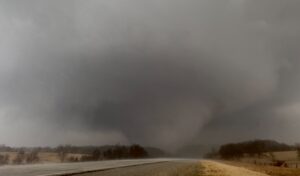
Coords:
pixel 213 168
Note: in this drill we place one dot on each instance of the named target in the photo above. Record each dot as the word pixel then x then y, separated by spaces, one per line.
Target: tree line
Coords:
pixel 251 148
pixel 22 157
pixel 114 152
pixel 64 152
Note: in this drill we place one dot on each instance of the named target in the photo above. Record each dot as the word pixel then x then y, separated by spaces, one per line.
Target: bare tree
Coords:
pixel 4 159
pixel 20 157
pixel 298 150
pixel 32 157
pixel 62 153
pixel 273 158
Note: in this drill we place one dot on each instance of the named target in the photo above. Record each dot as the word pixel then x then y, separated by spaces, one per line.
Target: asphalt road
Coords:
pixel 172 168
pixel 57 169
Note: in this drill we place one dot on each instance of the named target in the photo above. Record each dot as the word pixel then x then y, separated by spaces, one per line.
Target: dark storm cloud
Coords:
pixel 157 73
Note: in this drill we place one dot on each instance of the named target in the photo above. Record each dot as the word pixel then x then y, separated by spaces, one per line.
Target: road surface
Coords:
pixel 56 169
pixel 172 168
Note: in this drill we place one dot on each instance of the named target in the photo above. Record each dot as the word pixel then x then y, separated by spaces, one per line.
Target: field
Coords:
pixel 289 157
pixel 264 164
pixel 270 170
pixel 44 157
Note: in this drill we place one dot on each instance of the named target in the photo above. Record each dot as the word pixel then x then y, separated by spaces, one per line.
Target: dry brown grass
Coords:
pixel 290 158
pixel 12 155
pixel 288 155
pixel 263 164
pixel 270 170
pixel 212 168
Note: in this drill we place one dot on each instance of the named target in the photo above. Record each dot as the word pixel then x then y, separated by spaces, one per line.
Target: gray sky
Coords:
pixel 164 73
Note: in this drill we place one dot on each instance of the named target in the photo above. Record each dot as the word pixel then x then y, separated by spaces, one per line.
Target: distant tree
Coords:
pixel 273 158
pixel 96 155
pixel 4 159
pixel 85 158
pixel 73 159
pixel 119 152
pixel 108 154
pixel 230 151
pixel 32 157
pixel 298 150
pixel 251 148
pixel 4 148
pixel 62 153
pixel 136 151
pixel 20 157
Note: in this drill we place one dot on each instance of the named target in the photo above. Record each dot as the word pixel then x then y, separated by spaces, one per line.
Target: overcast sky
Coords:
pixel 163 73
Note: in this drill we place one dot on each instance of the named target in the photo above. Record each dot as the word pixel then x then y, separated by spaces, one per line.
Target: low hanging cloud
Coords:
pixel 156 73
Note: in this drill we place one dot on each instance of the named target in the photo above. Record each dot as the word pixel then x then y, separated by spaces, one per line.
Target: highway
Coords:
pixel 64 168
